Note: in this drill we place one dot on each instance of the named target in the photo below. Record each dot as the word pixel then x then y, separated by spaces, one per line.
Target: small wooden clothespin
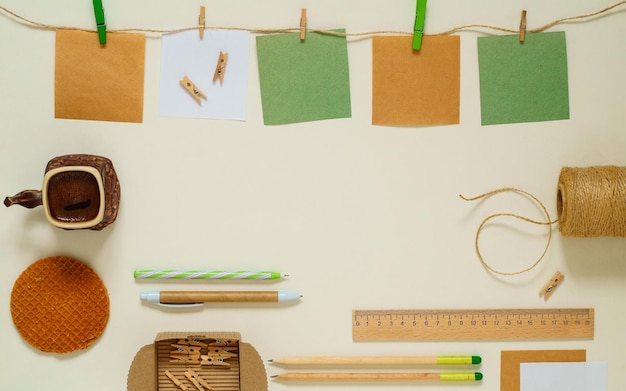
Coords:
pixel 418 28
pixel 551 285
pixel 220 68
pixel 184 359
pixel 193 90
pixel 224 342
pixel 522 27
pixel 190 341
pixel 221 352
pixel 212 360
pixel 186 349
pixel 202 22
pixel 302 24
pixel 175 380
pixel 197 380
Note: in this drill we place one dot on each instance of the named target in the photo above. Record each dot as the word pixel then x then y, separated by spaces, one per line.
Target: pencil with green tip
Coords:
pixel 380 376
pixel 377 360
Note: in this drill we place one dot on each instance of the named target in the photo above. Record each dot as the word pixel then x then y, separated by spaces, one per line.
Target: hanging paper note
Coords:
pixel 523 82
pixel 415 87
pixel 303 80
pixel 102 83
pixel 186 55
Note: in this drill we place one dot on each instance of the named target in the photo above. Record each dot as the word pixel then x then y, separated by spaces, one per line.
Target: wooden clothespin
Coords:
pixel 224 342
pixel 175 380
pixel 190 341
pixel 220 68
pixel 221 352
pixel 193 90
pixel 202 22
pixel 522 27
pixel 551 285
pixel 302 24
pixel 197 380
pixel 212 360
pixel 186 349
pixel 184 359
pixel 420 16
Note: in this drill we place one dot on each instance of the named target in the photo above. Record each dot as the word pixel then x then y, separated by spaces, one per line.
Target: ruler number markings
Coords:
pixel 472 324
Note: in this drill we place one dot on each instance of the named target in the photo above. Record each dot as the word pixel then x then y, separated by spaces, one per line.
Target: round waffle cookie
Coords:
pixel 60 305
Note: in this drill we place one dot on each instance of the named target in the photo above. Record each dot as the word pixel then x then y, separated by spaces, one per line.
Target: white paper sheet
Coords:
pixel 185 54
pixel 569 376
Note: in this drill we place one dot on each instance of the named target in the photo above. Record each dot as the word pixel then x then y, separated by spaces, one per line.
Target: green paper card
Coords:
pixel 303 80
pixel 523 82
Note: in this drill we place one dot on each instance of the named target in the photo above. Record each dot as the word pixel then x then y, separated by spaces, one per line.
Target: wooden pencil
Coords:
pixel 378 376
pixel 377 360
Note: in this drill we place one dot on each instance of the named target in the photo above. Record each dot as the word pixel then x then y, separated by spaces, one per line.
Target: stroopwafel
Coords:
pixel 59 304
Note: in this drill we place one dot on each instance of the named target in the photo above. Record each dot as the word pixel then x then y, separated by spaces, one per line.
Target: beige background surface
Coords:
pixel 360 216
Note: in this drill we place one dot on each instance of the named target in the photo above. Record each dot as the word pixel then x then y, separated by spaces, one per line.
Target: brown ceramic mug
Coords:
pixel 79 192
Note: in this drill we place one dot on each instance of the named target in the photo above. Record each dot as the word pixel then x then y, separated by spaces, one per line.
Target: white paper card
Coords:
pixel 566 376
pixel 185 54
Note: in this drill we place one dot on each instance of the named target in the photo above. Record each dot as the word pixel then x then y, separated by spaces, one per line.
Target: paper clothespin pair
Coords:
pixel 551 285
pixel 418 28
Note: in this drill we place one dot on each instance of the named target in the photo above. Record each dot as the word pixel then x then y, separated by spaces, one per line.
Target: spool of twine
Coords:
pixel 591 201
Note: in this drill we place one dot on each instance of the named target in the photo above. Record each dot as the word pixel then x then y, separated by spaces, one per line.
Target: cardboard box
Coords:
pixel 240 369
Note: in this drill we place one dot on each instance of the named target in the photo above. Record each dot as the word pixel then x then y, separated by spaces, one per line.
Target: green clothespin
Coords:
pixel 420 15
pixel 100 23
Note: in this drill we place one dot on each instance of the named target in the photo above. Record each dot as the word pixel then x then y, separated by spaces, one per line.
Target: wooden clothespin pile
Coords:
pixel 189 351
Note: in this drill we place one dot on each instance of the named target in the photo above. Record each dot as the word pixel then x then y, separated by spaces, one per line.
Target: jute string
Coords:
pixel 45 26
pixel 591 202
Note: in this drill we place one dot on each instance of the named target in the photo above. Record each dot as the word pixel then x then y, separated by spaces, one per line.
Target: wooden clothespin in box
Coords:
pixel 202 22
pixel 213 360
pixel 193 90
pixel 522 27
pixel 175 380
pixel 190 341
pixel 224 342
pixel 551 285
pixel 302 24
pixel 220 68
pixel 197 380
pixel 420 16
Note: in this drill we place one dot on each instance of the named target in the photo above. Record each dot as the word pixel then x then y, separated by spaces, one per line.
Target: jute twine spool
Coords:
pixel 591 202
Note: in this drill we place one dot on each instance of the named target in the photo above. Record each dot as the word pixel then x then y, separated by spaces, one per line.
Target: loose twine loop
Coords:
pixel 591 202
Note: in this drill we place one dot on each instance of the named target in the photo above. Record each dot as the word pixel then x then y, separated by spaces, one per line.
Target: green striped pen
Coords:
pixel 183 274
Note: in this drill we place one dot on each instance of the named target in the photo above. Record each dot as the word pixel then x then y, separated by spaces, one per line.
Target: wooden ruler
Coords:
pixel 472 324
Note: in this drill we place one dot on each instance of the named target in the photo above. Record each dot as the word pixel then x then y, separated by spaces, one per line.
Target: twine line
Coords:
pixel 547 26
pixel 549 222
